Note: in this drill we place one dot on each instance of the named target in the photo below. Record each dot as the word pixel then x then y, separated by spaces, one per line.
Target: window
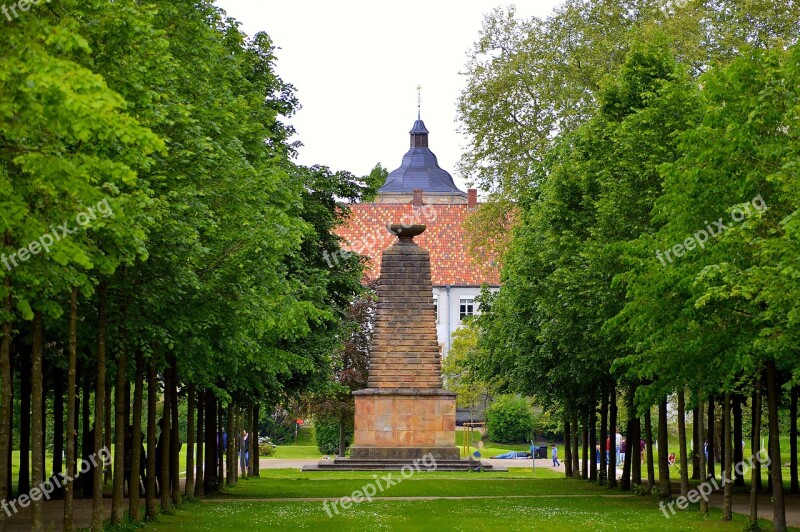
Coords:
pixel 466 308
pixel 436 308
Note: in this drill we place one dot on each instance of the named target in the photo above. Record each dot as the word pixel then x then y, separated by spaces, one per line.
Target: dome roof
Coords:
pixel 419 169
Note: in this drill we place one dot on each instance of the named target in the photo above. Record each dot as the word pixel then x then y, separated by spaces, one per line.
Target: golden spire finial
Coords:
pixel 419 102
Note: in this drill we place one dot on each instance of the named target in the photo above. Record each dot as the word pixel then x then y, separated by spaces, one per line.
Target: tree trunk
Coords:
pixel 663 452
pixel 254 456
pixel 738 448
pixel 175 436
pixel 44 416
pixel 612 432
pixel 585 451
pixel 697 445
pixel 648 445
pixel 625 481
pixel 628 461
pixel 794 488
pixel 190 428
pixel 575 453
pixel 727 482
pixel 120 429
pixel 87 441
pixel 136 440
pixel 218 440
pixel 684 463
pixel 107 430
pixel 37 407
pixel 164 443
pixel 635 449
pixel 230 457
pixel 567 449
pixel 603 472
pixel 237 424
pixel 9 480
pixel 755 449
pixel 720 438
pixel 6 388
pixel 58 423
pixel 24 481
pixel 342 447
pixel 198 480
pixel 209 480
pixel 152 474
pixel 593 443
pixel 250 441
pixel 69 487
pixel 769 466
pixel 701 434
pixel 76 429
pixel 779 505
pixel 710 439
pixel 99 409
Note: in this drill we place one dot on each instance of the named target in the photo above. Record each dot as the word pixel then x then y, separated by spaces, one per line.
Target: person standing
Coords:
pixel 243 453
pixel 556 463
pixel 619 445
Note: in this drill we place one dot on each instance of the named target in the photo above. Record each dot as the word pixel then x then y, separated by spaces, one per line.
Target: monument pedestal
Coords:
pixel 404 424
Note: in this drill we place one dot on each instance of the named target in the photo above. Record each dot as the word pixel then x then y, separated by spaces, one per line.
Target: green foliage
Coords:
pixel 510 420
pixel 546 425
pixel 459 372
pixel 326 431
pixel 213 259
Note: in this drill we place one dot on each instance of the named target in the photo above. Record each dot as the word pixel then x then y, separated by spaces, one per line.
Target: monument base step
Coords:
pixel 405 454
pixel 351 464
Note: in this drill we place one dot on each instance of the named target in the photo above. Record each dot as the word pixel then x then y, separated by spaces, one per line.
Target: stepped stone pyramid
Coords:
pixel 405 413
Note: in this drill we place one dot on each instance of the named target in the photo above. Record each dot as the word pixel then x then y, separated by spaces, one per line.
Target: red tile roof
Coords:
pixel 451 263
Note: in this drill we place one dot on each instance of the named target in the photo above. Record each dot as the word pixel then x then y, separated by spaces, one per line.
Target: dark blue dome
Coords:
pixel 420 169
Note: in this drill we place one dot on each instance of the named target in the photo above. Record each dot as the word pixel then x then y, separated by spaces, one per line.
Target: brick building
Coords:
pixel 420 192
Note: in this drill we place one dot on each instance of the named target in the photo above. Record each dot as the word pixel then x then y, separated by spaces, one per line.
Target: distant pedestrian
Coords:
pixel 244 453
pixel 556 463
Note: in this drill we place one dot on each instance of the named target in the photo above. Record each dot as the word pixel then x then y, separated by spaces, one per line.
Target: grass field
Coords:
pixel 477 501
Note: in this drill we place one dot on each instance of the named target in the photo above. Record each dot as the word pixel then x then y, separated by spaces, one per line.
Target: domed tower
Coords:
pixel 420 171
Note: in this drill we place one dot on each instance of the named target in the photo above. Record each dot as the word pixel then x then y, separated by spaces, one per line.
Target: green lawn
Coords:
pixel 502 501
pixel 306 446
pixel 433 484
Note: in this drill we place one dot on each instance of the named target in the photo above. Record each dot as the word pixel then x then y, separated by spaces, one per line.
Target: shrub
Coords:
pixel 327 435
pixel 510 420
pixel 265 447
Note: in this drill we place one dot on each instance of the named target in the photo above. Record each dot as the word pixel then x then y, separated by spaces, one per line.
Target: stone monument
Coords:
pixel 405 413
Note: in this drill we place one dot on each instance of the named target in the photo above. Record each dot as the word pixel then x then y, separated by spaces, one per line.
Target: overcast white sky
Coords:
pixel 356 65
